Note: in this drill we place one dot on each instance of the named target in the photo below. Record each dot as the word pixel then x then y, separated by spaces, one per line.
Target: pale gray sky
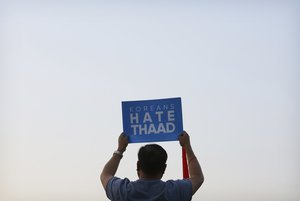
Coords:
pixel 66 66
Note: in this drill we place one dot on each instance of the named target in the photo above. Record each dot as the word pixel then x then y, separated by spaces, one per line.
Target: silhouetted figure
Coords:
pixel 151 166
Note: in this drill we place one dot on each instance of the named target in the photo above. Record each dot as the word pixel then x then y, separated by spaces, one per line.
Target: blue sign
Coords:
pixel 152 120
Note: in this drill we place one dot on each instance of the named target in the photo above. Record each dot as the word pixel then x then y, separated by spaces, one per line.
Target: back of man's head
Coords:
pixel 152 159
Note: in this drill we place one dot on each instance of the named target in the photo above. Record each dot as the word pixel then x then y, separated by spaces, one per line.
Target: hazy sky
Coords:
pixel 65 67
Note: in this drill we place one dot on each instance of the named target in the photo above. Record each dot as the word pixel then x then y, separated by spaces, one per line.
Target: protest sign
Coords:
pixel 152 120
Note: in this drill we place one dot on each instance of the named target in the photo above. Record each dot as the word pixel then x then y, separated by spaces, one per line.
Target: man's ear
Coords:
pixel 164 168
pixel 138 167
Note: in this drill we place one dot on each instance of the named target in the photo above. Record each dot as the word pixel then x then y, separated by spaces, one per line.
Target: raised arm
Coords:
pixel 112 165
pixel 196 175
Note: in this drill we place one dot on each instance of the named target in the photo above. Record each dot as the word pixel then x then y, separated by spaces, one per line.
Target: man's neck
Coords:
pixel 145 176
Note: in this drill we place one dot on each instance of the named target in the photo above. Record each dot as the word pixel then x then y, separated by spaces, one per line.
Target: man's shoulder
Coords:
pixel 179 184
pixel 170 181
pixel 178 181
pixel 169 184
pixel 119 180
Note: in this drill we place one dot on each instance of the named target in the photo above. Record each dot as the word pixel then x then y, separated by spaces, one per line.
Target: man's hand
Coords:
pixel 184 140
pixel 122 142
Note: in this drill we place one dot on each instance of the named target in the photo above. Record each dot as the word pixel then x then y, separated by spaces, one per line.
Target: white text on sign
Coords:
pixel 142 122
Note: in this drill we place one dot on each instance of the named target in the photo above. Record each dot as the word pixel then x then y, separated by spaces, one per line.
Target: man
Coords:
pixel 151 166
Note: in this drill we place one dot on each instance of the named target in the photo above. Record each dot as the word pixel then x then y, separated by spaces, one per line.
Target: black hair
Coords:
pixel 152 159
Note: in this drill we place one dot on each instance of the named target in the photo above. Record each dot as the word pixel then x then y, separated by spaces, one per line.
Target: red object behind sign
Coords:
pixel 185 169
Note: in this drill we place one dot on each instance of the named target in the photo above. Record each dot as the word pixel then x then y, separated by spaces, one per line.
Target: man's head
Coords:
pixel 152 160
